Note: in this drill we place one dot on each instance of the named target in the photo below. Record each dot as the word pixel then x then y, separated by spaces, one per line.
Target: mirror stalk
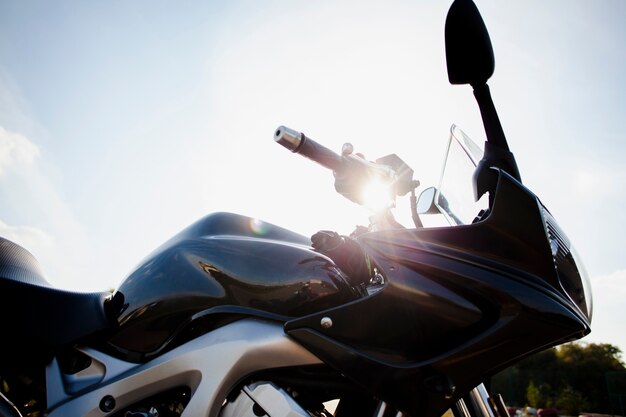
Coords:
pixel 491 121
pixel 497 153
pixel 414 215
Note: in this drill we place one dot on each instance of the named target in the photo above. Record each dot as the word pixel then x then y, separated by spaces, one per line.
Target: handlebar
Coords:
pixel 297 142
pixel 352 172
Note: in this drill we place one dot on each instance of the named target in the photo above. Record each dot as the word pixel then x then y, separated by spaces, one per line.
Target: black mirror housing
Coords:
pixel 469 54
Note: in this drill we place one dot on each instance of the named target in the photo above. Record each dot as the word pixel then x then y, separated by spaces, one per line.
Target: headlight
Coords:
pixel 585 280
pixel 569 267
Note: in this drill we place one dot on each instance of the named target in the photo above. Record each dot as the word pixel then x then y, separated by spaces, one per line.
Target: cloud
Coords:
pixel 36 216
pixel 15 150
pixel 27 236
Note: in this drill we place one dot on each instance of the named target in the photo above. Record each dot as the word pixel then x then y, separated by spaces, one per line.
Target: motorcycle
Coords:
pixel 234 317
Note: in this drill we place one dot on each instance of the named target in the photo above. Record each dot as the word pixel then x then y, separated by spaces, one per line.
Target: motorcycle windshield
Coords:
pixel 454 196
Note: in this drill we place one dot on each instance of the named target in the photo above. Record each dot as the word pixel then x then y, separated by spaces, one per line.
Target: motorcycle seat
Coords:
pixel 34 315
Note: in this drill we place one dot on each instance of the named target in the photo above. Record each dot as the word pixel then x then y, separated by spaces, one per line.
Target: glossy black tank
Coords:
pixel 221 267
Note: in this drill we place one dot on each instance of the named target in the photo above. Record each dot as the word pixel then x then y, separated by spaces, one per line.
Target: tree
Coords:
pixel 570 401
pixel 538 396
pixel 572 377
pixel 533 395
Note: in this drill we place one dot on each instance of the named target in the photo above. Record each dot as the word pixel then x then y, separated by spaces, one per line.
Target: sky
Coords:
pixel 122 122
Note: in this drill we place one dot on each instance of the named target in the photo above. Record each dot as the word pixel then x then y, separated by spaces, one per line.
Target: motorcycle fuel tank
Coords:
pixel 220 268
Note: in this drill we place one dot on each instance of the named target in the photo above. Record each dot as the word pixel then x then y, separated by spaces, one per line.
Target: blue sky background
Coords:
pixel 122 122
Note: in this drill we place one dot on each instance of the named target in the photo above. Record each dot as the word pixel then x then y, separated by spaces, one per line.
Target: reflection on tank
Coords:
pixel 223 260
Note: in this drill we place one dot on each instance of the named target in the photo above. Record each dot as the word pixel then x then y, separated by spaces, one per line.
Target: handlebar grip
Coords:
pixel 297 142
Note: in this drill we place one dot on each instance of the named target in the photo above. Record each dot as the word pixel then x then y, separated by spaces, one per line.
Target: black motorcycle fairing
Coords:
pixel 222 265
pixel 36 317
pixel 496 279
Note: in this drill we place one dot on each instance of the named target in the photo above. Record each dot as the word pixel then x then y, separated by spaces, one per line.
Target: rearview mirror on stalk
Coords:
pixel 470 60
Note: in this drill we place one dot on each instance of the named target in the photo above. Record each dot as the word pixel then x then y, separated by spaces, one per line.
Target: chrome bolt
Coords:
pixel 326 322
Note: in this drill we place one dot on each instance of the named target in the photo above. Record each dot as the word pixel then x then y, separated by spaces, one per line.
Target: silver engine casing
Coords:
pixel 210 366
